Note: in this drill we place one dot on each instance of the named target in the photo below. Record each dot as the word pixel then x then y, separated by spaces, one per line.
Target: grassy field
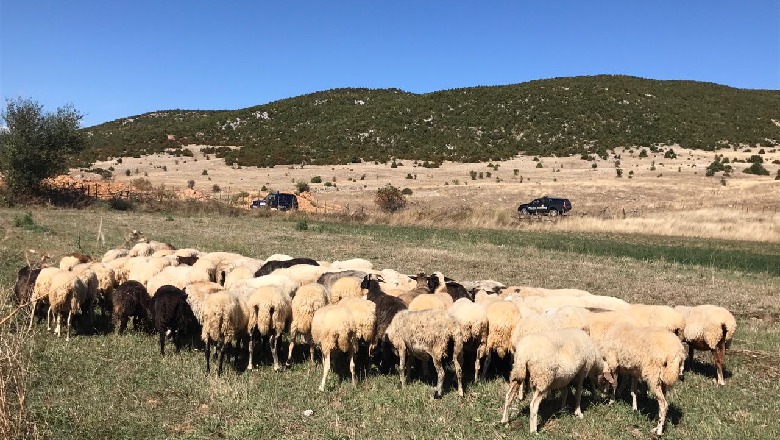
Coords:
pixel 107 386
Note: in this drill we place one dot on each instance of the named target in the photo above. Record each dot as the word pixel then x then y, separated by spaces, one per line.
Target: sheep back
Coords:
pixel 308 299
pixel 332 329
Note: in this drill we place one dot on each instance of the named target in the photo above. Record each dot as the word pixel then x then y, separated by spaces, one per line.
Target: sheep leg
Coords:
pixel 49 318
pixel 325 369
pixel 480 355
pixel 459 372
pixel 437 393
pixel 425 370
pixel 402 365
pixel 67 328
pixel 293 334
pixel 274 341
pixel 32 315
pixel 663 406
pixel 718 356
pixel 162 341
pixel 578 398
pixel 207 353
pixel 123 325
pixel 352 366
pixel 535 401
pixel 564 395
pixel 634 386
pixel 222 350
pixel 251 349
pixel 510 396
pixel 308 340
pixel 58 320
pixel 487 363
pixel 689 362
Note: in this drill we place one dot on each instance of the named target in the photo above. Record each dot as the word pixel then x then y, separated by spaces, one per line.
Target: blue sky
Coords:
pixel 114 59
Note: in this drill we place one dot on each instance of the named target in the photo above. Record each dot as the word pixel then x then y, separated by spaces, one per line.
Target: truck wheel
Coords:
pixel 523 211
pixel 553 213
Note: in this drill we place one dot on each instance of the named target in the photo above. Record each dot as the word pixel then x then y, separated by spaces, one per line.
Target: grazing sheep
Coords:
pixel 542 303
pixel 426 334
pixel 474 328
pixel 179 276
pixel 172 315
pixel 66 293
pixel 489 286
pixel 659 316
pixel 24 285
pixel 302 273
pixel 71 260
pixel 327 279
pixel 430 301
pixel 708 327
pixel 651 354
pixel 142 269
pixel 113 254
pixel 601 321
pixel 420 289
pixel 551 360
pixel 106 283
pixel 225 321
pixel 88 276
pixel 332 329
pixel 130 300
pixel 269 315
pixel 502 318
pixel 364 318
pixel 287 285
pixel 272 265
pixel 387 307
pixel 392 279
pixel 437 283
pixel 196 295
pixel 119 266
pixel 353 264
pixel 346 287
pixel 308 299
pixel 526 291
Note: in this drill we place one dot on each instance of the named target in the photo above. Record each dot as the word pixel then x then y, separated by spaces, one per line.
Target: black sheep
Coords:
pixel 130 300
pixel 271 266
pixel 23 290
pixel 172 315
pixel 387 306
pixel 456 290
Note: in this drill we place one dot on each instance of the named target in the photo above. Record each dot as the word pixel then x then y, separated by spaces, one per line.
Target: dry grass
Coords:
pixel 15 371
pixel 675 199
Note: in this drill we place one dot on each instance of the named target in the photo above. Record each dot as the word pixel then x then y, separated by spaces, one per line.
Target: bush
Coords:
pixel 205 173
pixel 142 184
pixel 406 191
pixel 539 165
pixel 302 225
pixel 670 154
pixel 409 176
pixel 473 175
pixel 191 184
pixel 619 172
pixel 127 173
pixel 215 188
pixel 118 204
pixel 316 179
pixel 755 159
pixel 756 169
pixel 302 187
pixel 777 177
pixel 390 198
pixel 643 153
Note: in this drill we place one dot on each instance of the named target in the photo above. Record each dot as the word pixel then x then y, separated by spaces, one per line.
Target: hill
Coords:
pixel 552 117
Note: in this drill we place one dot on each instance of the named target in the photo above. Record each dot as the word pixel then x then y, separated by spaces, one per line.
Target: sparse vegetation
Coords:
pixel 390 199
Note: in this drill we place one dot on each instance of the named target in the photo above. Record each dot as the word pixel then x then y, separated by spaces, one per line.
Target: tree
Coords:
pixel 34 144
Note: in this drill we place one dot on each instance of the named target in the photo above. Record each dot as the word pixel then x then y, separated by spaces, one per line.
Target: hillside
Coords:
pixel 561 116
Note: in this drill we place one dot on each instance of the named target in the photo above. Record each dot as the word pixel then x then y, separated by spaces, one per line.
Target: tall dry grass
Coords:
pixel 715 222
pixel 15 370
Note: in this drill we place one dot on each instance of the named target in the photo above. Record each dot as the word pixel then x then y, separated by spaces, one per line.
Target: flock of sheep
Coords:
pixel 555 338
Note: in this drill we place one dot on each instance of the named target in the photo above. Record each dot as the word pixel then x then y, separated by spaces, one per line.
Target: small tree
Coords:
pixel 302 187
pixel 34 144
pixel 191 184
pixel 390 198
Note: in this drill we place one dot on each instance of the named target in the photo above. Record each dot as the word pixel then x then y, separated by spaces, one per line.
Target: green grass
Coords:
pixel 119 387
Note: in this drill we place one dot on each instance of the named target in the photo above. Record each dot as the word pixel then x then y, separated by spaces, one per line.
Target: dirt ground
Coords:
pixel 654 195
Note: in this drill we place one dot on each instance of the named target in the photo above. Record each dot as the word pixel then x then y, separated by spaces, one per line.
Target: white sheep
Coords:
pixel 502 319
pixel 196 295
pixel 652 354
pixel 302 273
pixel 269 315
pixel 178 276
pixel 474 328
pixel 430 301
pixel 113 254
pixel 353 264
pixel 709 327
pixel 308 299
pixel 364 318
pixel 332 329
pixel 658 315
pixel 346 287
pixel 426 334
pixel 551 360
pixel 66 293
pixel 225 319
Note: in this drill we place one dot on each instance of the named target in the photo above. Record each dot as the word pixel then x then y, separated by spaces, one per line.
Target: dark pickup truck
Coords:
pixel 551 206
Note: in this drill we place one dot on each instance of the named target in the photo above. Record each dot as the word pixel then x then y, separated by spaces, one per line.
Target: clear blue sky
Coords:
pixel 112 59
